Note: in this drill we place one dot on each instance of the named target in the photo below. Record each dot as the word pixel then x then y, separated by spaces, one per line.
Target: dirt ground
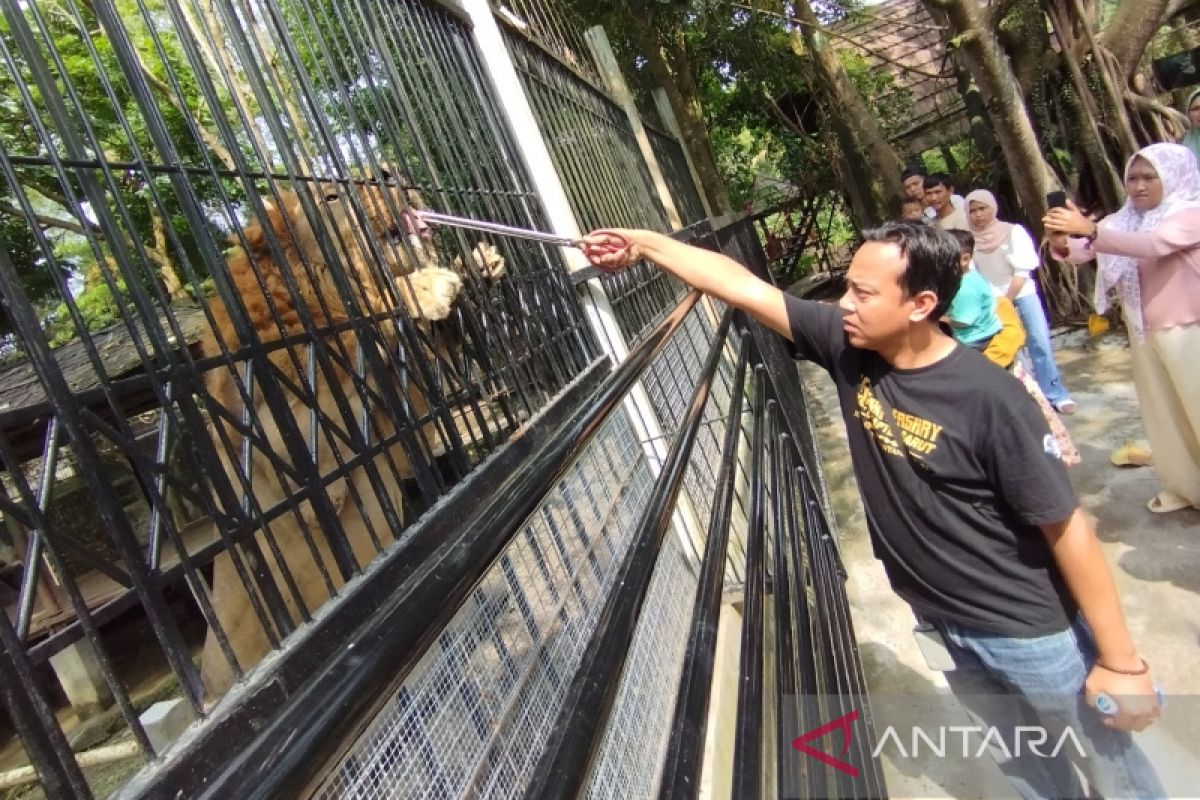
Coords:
pixel 1155 559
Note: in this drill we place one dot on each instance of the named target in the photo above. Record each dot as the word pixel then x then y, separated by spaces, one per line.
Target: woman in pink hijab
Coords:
pixel 1149 252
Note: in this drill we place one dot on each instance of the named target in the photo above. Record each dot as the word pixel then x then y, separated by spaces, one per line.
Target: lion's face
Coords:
pixel 401 238
pixel 392 237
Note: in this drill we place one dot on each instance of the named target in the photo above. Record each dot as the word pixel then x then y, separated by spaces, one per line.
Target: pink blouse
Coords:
pixel 1168 266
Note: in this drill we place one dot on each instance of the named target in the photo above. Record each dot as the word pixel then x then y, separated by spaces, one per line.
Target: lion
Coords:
pixel 400 275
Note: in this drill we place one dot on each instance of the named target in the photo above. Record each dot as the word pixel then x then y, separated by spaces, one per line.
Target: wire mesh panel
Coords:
pixel 639 727
pixel 474 715
pixel 238 361
pixel 472 719
pixel 603 172
pixel 668 152
pixel 670 380
pixel 635 740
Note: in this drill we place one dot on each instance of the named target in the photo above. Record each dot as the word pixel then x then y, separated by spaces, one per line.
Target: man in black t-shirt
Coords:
pixel 968 504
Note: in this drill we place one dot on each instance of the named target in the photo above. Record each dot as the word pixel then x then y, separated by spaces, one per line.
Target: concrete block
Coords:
pixel 78 671
pixel 165 721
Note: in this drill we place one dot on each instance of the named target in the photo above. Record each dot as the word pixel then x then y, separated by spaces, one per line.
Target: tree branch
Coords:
pixel 1143 103
pixel 46 221
pixel 164 89
pixel 1177 7
pixel 784 118
pixel 160 257
pixel 46 191
pixel 1128 33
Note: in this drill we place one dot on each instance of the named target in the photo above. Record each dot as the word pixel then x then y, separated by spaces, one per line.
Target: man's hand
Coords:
pixel 1137 706
pixel 610 249
pixel 1085 571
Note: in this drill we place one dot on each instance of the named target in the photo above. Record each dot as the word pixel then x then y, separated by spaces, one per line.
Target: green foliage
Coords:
pixel 105 117
pixel 891 104
pixel 746 66
pixel 97 305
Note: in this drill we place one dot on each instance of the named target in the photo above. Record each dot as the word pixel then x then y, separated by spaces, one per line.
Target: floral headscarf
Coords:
pixel 1180 176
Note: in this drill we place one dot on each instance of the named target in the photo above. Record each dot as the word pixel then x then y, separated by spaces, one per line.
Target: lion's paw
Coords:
pixel 488 260
pixel 436 290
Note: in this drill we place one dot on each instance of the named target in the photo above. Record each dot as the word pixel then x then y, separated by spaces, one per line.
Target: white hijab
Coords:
pixel 1180 176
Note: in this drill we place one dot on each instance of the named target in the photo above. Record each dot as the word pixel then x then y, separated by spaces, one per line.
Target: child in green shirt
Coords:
pixel 972 314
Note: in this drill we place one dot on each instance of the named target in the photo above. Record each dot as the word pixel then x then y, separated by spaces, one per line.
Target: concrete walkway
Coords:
pixel 1155 558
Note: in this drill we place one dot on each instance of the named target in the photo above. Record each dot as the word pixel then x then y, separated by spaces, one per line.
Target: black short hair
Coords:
pixel 910 201
pixel 911 170
pixel 932 260
pixel 966 240
pixel 938 179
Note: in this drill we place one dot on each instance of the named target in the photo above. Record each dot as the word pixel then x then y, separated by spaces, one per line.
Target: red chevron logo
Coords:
pixel 842 723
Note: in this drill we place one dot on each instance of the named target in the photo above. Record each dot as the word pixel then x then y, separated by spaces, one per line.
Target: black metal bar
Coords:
pixel 159 616
pixel 574 741
pixel 249 709
pixel 787 769
pixel 427 591
pixel 828 584
pixel 113 233
pixel 163 624
pixel 806 661
pixel 685 753
pixel 855 685
pixel 747 754
pixel 43 739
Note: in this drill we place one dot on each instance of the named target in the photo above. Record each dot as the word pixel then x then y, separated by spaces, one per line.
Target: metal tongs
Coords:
pixel 436 218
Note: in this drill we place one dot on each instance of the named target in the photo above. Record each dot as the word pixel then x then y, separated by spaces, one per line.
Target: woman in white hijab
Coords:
pixel 1006 255
pixel 1149 252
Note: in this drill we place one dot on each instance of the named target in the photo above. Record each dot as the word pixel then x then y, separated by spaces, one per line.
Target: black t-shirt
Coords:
pixel 954 507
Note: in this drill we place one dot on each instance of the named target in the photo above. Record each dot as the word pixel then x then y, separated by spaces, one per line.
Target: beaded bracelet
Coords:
pixel 1145 668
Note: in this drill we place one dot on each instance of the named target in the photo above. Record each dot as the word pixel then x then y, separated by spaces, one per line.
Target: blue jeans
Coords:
pixel 1007 682
pixel 1037 341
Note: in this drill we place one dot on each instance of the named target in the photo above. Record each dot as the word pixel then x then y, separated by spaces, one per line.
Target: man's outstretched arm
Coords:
pixel 712 273
pixel 1085 570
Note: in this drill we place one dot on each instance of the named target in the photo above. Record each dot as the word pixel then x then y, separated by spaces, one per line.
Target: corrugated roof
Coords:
pixel 901 37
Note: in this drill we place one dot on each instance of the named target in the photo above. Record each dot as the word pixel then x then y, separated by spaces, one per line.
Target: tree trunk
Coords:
pixel 866 208
pixel 975 107
pixel 1109 190
pixel 874 163
pixel 219 60
pixel 1028 44
pixel 666 57
pixel 1084 108
pixel 1026 40
pixel 952 165
pixel 1130 30
pixel 1031 175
